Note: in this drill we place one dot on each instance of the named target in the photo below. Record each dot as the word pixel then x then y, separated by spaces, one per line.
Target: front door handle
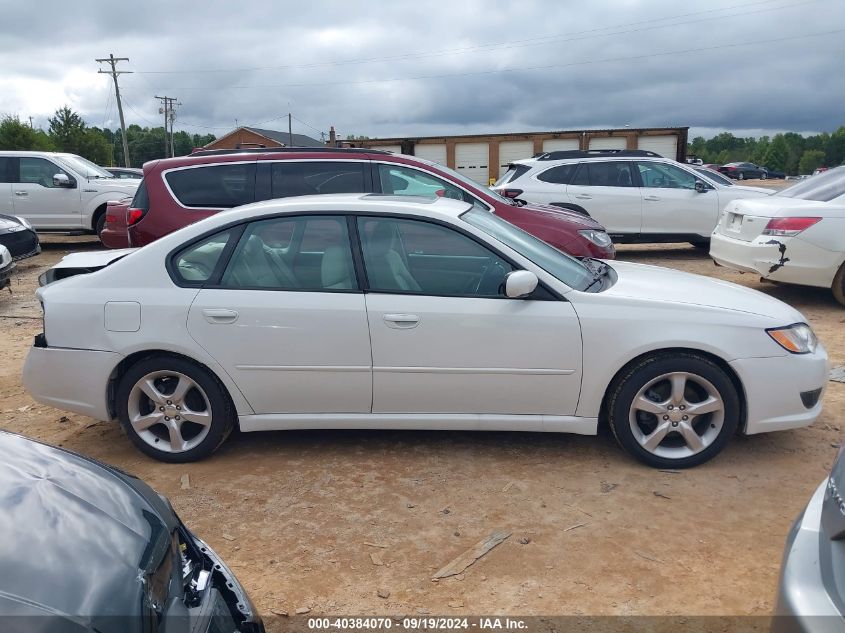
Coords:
pixel 21 194
pixel 401 321
pixel 219 316
pixel 651 198
pixel 583 196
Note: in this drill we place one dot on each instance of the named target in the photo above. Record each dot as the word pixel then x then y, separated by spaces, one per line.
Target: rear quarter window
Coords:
pixel 142 197
pixel 213 186
pixel 560 175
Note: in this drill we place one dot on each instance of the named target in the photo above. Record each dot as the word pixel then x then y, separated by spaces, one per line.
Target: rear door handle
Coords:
pixel 401 321
pixel 583 196
pixel 21 194
pixel 651 198
pixel 219 316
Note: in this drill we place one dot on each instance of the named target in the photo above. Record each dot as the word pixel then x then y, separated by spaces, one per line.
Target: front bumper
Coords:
pixel 803 603
pixel 800 262
pixel 773 388
pixel 72 380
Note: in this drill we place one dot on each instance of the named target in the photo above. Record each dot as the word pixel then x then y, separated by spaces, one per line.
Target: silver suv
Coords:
pixel 638 195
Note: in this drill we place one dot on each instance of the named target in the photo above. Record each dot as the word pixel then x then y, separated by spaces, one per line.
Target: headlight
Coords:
pixel 599 238
pixel 24 221
pixel 797 338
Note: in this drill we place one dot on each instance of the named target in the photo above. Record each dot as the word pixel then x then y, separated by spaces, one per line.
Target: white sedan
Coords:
pixel 393 312
pixel 796 236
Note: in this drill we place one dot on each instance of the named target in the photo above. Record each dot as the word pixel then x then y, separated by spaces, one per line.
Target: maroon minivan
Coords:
pixel 178 191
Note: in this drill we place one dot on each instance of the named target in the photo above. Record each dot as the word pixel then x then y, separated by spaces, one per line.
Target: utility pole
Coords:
pixel 31 127
pixel 112 60
pixel 290 131
pixel 169 116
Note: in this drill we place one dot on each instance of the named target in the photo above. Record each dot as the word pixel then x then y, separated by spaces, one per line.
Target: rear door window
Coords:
pixel 304 178
pixel 213 186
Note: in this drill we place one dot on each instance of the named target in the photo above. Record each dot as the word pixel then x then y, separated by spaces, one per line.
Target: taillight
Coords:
pixel 788 227
pixel 511 193
pixel 133 216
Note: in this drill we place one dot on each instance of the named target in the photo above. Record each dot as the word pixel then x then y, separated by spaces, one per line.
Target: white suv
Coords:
pixel 58 192
pixel 638 195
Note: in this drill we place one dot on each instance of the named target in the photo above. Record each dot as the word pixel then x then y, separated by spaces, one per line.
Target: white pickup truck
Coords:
pixel 58 192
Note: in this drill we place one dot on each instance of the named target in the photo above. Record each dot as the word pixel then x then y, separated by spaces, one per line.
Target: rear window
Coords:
pixel 213 186
pixel 560 175
pixel 823 187
pixel 142 198
pixel 292 178
pixel 513 172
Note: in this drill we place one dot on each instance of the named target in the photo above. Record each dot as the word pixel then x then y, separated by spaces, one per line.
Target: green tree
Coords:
pixel 777 154
pixel 810 160
pixel 15 135
pixel 67 130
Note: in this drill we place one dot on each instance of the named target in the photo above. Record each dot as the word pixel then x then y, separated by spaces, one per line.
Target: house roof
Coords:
pixel 299 140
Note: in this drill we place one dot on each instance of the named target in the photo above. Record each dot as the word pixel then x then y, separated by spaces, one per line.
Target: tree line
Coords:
pixel 789 152
pixel 68 132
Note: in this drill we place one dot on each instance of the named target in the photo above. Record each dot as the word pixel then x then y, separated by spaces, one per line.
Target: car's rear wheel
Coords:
pixel 173 410
pixel 838 287
pixel 741 176
pixel 673 410
pixel 100 224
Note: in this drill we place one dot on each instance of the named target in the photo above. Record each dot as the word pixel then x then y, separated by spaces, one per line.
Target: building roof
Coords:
pixel 299 140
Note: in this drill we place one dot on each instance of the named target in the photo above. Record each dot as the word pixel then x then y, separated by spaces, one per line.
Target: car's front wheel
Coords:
pixel 173 409
pixel 764 175
pixel 673 410
pixel 741 176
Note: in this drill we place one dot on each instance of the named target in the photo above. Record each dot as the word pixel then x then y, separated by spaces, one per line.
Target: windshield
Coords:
pixel 823 187
pixel 565 268
pixel 715 176
pixel 83 167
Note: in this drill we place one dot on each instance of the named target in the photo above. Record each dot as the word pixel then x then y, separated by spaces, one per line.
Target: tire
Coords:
pixel 741 176
pixel 764 176
pixel 202 415
pixel 838 286
pixel 702 244
pixel 100 224
pixel 650 382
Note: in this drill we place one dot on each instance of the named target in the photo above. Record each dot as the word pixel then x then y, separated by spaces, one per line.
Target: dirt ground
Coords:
pixel 326 520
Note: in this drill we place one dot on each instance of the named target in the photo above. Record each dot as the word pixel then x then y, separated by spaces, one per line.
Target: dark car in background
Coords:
pixel 87 547
pixel 19 237
pixel 176 192
pixel 744 171
pixel 131 173
pixel 811 591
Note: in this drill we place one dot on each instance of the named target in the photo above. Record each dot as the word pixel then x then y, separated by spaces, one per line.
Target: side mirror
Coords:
pixel 61 180
pixel 700 186
pixel 520 283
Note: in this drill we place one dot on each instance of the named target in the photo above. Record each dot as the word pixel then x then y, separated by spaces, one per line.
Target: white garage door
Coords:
pixel 560 144
pixel 397 149
pixel 609 142
pixel 666 146
pixel 473 160
pixel 510 151
pixel 435 152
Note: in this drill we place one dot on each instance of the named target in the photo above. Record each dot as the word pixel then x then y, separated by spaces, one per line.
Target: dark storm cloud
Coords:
pixel 601 62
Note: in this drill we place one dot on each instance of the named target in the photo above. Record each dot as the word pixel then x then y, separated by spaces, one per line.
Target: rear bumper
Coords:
pixel 774 387
pixel 800 262
pixel 6 275
pixel 114 238
pixel 71 379
pixel 803 602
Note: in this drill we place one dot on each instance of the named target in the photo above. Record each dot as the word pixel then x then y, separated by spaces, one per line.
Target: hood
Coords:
pixel 665 285
pixel 116 184
pixel 93 259
pixel 78 536
pixel 747 189
pixel 9 224
pixel 567 214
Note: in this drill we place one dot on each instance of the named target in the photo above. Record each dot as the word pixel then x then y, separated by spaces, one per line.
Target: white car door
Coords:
pixel 608 191
pixel 444 338
pixel 286 319
pixel 36 198
pixel 7 170
pixel 671 204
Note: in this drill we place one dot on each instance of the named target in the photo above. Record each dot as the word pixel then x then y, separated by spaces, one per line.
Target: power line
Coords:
pixel 536 41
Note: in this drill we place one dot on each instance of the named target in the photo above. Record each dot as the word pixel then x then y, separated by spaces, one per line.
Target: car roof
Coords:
pixel 207 157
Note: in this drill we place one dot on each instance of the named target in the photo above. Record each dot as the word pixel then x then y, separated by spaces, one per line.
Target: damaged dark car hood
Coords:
pixel 78 539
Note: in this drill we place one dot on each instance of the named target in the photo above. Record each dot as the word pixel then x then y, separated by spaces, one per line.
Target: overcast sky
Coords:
pixel 392 68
